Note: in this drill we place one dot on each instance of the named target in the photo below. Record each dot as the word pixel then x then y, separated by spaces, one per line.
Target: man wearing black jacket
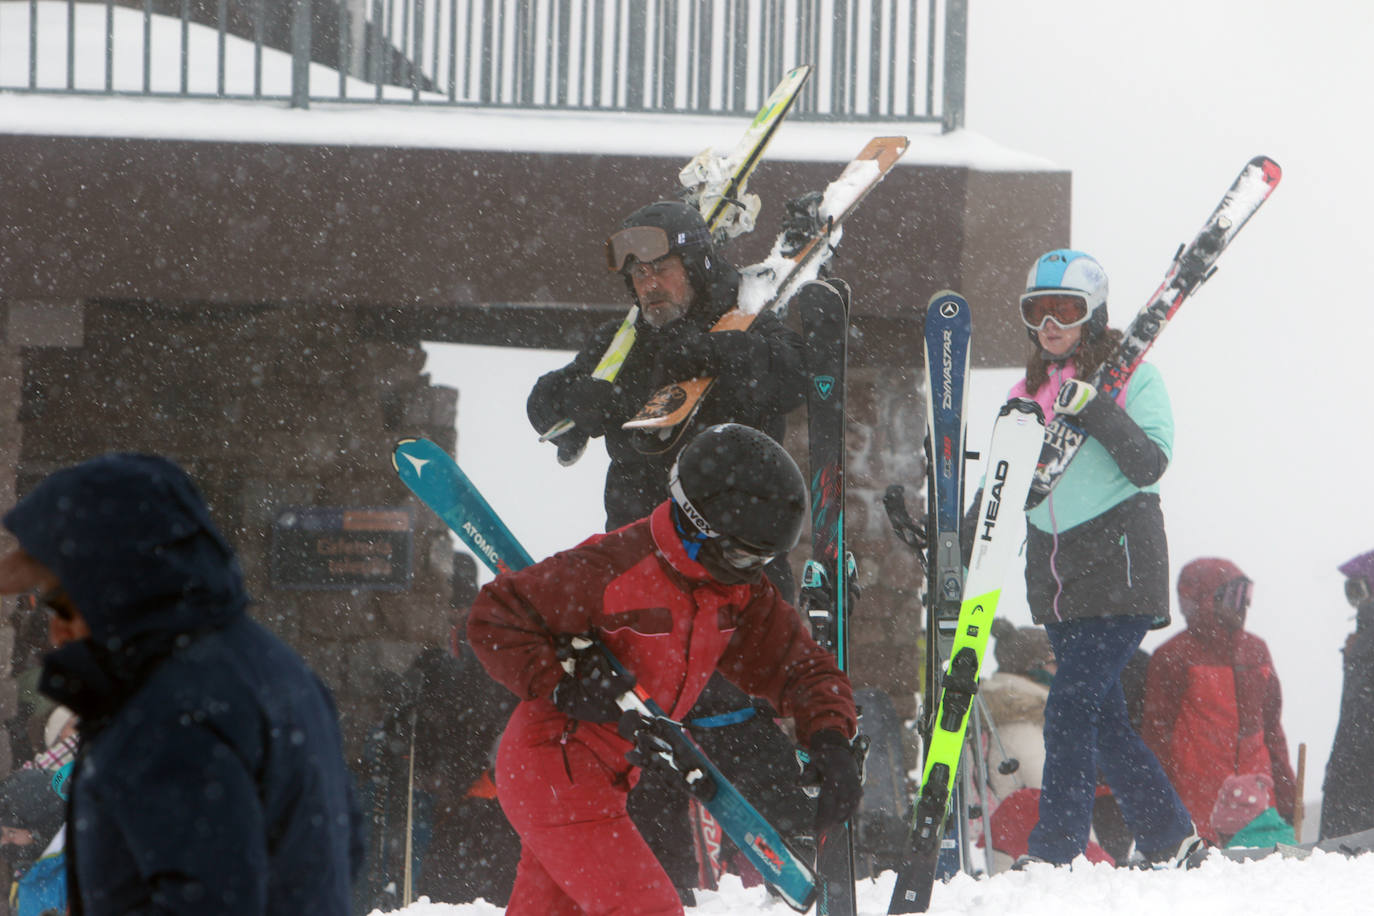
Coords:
pixel 682 286
pixel 211 777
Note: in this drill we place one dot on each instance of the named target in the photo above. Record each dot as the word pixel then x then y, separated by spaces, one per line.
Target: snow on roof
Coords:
pixel 678 136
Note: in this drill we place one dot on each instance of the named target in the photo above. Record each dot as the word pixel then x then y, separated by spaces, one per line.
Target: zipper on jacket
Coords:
pixel 1054 553
pixel 1126 552
pixel 568 728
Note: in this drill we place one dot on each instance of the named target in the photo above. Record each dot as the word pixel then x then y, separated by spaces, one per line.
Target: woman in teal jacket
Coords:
pixel 1097 568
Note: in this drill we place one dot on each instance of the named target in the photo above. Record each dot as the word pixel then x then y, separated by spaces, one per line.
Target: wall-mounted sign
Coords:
pixel 328 547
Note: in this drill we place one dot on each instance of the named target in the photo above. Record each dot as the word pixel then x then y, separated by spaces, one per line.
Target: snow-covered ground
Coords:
pixel 1154 107
pixel 1327 883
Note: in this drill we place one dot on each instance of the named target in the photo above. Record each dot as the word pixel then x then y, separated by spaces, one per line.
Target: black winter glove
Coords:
pixel 590 403
pixel 835 767
pixel 684 351
pixel 590 684
pixel 661 746
pixel 697 353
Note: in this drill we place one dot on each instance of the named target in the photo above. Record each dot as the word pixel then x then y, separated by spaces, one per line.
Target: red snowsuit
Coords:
pixel 1212 710
pixel 562 783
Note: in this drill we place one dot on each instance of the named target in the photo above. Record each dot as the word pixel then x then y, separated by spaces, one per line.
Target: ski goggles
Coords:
pixel 1357 591
pixel 1235 595
pixel 647 244
pixel 643 243
pixel 744 556
pixel 1068 309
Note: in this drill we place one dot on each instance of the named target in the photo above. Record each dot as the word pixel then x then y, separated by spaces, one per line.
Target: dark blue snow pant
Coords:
pixel 1087 729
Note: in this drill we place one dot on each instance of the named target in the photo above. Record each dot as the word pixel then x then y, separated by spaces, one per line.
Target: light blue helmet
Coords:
pixel 1072 271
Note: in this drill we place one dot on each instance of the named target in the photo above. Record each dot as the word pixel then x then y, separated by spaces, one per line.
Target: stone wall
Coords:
pixel 267 407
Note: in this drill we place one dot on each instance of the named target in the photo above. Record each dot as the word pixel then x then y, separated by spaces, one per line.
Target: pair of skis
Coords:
pixel 1021 463
pixel 715 185
pixel 437 480
pixel 796 258
pixel 960 608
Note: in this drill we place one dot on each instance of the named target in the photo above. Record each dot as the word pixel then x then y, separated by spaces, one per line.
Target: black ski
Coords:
pixel 826 592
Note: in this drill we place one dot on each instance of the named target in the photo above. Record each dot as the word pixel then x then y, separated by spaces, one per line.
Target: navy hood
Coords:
pixel 132 542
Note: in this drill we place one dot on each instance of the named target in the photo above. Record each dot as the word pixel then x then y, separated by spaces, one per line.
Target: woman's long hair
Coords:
pixel 1087 358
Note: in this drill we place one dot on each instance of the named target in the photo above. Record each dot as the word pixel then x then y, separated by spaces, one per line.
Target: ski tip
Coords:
pixel 1023 405
pixel 1271 169
pixel 885 150
pixel 802 904
pixel 945 294
pixel 947 304
pixel 398 448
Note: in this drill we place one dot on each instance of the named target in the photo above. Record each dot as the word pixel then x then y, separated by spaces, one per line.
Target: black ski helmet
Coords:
pixel 734 481
pixel 688 238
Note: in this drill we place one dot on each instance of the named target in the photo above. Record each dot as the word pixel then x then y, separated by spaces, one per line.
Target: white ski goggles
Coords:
pixel 1068 309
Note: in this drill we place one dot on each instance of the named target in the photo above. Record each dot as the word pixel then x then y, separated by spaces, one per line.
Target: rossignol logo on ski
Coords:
pixel 994 500
pixel 825 384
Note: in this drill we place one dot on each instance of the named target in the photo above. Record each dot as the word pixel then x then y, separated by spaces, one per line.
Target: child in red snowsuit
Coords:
pixel 673 604
pixel 1212 698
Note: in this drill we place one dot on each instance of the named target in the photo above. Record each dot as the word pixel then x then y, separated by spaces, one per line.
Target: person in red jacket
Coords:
pixel 1212 697
pixel 674 597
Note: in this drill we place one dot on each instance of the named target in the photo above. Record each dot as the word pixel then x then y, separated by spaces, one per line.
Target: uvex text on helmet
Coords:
pixel 735 481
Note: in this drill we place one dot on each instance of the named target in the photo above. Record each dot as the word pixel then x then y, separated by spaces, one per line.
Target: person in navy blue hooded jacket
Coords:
pixel 211 777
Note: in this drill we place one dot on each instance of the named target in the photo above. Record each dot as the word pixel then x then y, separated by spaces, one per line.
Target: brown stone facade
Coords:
pixel 255 311
pixel 268 407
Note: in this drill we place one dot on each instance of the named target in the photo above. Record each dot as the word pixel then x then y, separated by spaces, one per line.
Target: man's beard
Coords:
pixel 662 312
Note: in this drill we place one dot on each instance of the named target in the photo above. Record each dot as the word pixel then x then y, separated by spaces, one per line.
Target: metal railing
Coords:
pixel 874 59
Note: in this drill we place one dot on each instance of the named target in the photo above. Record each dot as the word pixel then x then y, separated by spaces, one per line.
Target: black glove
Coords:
pixel 590 684
pixel 660 745
pixel 571 445
pixel 684 351
pixel 696 353
pixel 590 402
pixel 835 767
